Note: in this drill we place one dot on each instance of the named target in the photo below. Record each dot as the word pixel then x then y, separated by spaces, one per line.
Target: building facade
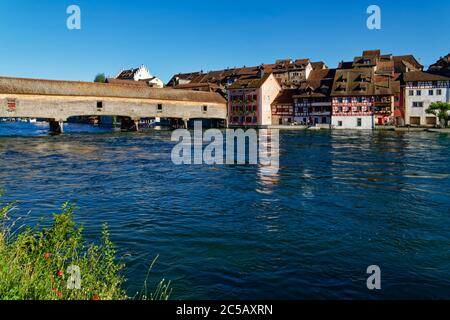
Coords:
pixel 250 100
pixel 283 108
pixel 421 90
pixel 365 92
pixel 313 104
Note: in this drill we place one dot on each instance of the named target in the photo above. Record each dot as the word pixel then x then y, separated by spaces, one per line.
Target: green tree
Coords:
pixel 440 110
pixel 100 78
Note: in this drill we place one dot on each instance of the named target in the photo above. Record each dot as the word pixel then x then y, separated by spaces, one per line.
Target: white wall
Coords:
pixel 350 122
pixel 267 94
pixel 143 73
pixel 427 100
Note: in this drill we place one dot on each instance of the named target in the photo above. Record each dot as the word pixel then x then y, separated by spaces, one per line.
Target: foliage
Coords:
pixel 100 78
pixel 35 263
pixel 440 110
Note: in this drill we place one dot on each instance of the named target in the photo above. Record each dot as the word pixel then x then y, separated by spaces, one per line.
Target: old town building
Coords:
pixel 290 73
pixel 441 67
pixel 139 74
pixel 421 90
pixel 283 109
pixel 250 100
pixel 365 92
pixel 313 103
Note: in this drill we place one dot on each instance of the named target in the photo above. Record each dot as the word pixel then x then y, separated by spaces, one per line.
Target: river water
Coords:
pixel 341 201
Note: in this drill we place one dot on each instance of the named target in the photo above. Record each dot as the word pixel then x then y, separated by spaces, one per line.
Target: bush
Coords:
pixel 43 264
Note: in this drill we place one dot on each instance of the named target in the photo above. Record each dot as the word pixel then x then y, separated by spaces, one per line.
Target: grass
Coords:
pixel 48 263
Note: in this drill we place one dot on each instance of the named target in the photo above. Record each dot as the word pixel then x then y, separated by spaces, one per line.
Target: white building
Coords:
pixel 421 90
pixel 140 74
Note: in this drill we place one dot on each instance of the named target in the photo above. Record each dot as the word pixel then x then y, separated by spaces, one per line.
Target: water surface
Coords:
pixel 340 202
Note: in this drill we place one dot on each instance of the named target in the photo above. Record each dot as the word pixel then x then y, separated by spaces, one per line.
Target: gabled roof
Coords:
pixel 322 74
pixel 363 82
pixel 345 65
pixel 387 66
pixel 442 66
pixel 302 62
pixel 286 97
pixel 253 83
pixel 127 74
pixel 406 60
pixel 372 53
pixel 423 76
pixel 318 65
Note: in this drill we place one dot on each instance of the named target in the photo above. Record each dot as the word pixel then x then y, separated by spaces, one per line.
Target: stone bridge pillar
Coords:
pixel 56 126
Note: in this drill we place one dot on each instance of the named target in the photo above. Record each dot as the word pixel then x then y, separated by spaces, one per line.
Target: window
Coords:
pixel 411 92
pixel 99 105
pixel 339 123
pixel 419 92
pixel 359 122
pixel 205 108
pixel 160 107
pixel 418 104
pixel 439 92
pixel 431 92
pixel 11 104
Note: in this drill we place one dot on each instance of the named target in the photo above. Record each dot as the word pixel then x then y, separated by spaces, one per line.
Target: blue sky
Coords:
pixel 188 35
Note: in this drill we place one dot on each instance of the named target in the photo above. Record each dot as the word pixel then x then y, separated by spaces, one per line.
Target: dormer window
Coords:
pixel 340 88
pixel 342 79
pixel 360 88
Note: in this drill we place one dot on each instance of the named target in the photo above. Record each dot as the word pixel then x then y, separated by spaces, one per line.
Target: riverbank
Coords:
pixel 56 263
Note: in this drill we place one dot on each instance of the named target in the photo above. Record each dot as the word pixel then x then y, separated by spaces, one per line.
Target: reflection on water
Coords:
pixel 340 201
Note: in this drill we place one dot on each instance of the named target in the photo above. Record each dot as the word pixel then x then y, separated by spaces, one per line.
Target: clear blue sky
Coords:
pixel 189 35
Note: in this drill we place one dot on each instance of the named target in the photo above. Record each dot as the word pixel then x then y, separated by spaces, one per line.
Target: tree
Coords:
pixel 440 110
pixel 100 78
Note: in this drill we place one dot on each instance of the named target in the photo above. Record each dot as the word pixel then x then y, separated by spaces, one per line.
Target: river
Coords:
pixel 341 201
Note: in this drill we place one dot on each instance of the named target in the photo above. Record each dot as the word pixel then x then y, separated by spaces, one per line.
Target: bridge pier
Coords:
pixel 130 124
pixel 56 127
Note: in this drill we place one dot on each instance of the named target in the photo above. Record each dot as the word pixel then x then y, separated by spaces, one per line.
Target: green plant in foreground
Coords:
pixel 37 263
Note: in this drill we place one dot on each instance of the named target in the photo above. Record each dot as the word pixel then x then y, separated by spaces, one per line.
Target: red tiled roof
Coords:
pixel 423 76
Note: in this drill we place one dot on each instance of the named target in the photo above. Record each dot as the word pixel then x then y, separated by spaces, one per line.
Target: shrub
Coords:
pixel 39 263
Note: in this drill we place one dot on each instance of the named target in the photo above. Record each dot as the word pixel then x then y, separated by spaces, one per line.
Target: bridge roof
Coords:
pixel 91 89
